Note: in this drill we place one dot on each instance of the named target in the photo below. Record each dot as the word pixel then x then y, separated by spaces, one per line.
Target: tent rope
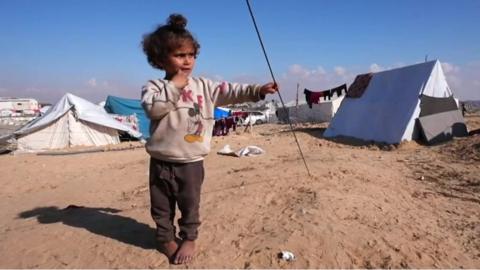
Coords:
pixel 275 82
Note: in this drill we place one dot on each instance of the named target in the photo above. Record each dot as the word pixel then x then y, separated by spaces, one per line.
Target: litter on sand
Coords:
pixel 286 255
pixel 247 151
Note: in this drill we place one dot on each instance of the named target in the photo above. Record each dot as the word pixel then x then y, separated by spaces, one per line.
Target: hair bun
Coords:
pixel 177 21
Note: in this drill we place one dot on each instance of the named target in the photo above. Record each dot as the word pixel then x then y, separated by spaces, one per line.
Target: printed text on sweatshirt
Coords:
pixel 181 120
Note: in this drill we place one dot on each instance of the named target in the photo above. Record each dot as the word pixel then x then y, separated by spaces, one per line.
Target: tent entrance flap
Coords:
pixel 441 127
pixel 440 120
pixel 432 105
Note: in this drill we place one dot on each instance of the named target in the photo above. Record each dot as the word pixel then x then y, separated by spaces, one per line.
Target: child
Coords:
pixel 180 108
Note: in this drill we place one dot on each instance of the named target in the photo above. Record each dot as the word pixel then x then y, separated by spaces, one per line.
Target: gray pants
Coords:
pixel 174 184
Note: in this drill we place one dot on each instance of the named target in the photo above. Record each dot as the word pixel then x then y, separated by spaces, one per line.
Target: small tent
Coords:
pixel 72 121
pixel 318 113
pixel 127 107
pixel 409 103
pixel 221 112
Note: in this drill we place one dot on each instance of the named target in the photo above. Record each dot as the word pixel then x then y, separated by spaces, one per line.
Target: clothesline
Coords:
pixel 355 90
pixel 313 97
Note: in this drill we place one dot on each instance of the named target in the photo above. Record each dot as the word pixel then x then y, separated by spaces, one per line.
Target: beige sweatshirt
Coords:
pixel 181 120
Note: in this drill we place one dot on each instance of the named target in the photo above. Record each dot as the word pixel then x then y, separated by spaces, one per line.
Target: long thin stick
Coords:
pixel 273 78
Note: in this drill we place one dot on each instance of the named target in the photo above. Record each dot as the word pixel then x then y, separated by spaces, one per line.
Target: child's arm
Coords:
pixel 159 98
pixel 268 88
pixel 230 93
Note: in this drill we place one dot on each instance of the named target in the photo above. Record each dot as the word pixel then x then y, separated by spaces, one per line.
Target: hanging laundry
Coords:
pixel 327 94
pixel 312 97
pixel 338 90
pixel 359 85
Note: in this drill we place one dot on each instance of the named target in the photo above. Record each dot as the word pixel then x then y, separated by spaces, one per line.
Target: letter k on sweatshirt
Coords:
pixel 181 120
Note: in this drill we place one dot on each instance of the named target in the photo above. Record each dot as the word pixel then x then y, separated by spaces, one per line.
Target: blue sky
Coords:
pixel 91 48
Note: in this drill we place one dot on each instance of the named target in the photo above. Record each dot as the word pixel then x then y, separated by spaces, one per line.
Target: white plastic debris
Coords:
pixel 226 150
pixel 287 256
pixel 250 150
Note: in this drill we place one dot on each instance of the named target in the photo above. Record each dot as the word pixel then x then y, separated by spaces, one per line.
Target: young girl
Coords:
pixel 180 108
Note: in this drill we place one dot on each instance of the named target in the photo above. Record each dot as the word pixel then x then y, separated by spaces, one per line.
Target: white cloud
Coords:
pixel 375 68
pixel 315 79
pixel 340 71
pixel 302 72
pixel 463 79
pixel 212 76
pixel 92 82
pixel 449 68
pixel 319 71
pixel 101 84
pixel 52 91
pixel 218 77
pixel 297 70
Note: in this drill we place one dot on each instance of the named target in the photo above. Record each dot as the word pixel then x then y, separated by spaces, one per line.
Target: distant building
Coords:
pixel 12 107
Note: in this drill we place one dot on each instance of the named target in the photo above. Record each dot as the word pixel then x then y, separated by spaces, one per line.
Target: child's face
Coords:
pixel 181 59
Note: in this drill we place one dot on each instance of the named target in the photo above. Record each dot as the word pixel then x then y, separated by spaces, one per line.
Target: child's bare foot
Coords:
pixel 185 252
pixel 169 249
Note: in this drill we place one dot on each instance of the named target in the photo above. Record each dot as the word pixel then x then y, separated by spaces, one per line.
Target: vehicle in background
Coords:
pixel 255 118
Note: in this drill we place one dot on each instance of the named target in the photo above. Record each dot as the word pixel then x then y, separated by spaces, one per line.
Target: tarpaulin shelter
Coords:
pixel 408 103
pixel 220 113
pixel 72 121
pixel 126 107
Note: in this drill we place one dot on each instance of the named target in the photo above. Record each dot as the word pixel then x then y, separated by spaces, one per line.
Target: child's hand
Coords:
pixel 180 79
pixel 269 88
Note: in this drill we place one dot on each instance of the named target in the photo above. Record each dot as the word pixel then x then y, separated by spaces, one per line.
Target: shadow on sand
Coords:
pixel 101 221
pixel 318 133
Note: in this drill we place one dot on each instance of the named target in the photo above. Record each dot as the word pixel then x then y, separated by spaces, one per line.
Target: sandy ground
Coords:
pixel 366 206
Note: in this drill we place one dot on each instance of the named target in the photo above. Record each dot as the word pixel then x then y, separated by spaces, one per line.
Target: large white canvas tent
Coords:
pixel 72 121
pixel 318 113
pixel 389 109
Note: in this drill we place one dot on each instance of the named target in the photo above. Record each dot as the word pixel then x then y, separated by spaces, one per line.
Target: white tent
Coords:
pixel 321 112
pixel 72 121
pixel 388 109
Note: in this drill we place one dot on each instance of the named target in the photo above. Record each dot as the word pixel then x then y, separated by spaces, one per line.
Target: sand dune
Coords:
pixel 365 206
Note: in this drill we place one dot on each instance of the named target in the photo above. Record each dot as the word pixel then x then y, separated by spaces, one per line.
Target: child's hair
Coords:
pixel 166 38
